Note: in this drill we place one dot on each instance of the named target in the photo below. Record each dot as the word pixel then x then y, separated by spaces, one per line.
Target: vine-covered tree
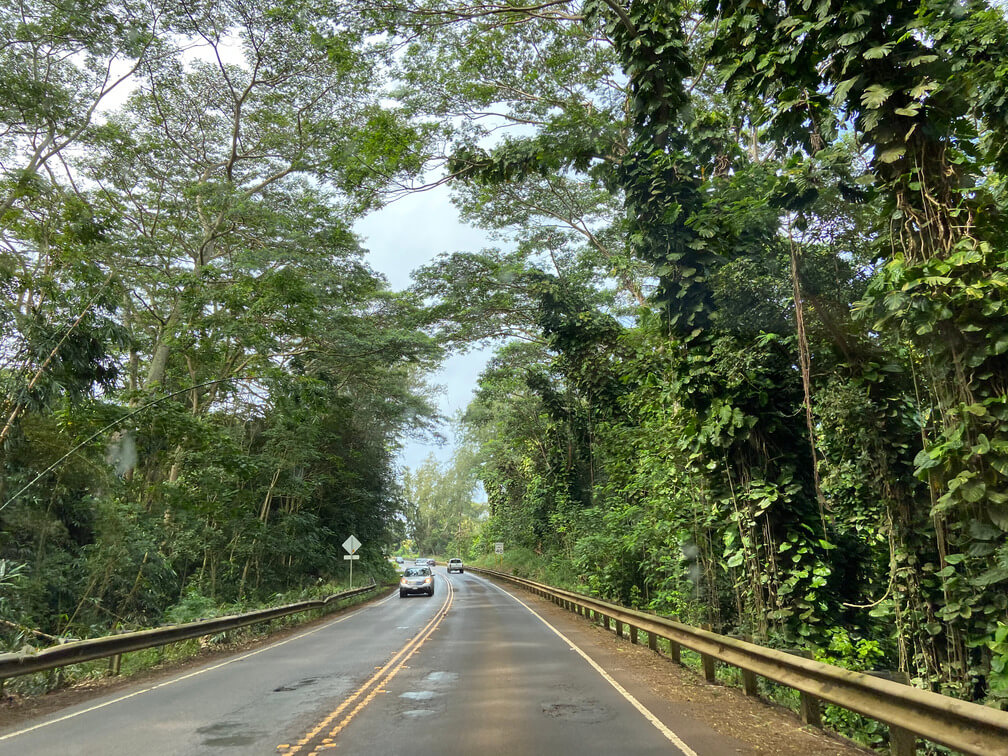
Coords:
pixel 804 430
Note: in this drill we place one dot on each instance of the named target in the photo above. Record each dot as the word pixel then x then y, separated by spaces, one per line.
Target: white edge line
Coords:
pixel 200 671
pixel 659 725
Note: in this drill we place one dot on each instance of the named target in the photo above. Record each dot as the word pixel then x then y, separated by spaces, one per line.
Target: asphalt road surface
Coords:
pixel 473 670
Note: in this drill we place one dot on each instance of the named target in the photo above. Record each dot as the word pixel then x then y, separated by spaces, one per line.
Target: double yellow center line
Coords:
pixel 366 692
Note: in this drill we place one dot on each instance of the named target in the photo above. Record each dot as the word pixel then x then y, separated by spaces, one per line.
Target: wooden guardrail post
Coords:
pixel 709 667
pixel 749 683
pixel 605 621
pixel 808 709
pixel 709 662
pixel 652 641
pixel 619 628
pixel 675 651
pixel 902 742
pixel 115 664
pixel 633 635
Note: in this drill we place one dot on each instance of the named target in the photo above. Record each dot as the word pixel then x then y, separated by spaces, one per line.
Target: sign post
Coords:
pixel 498 550
pixel 351 545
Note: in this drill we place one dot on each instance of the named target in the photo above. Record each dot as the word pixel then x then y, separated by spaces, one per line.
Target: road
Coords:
pixel 473 670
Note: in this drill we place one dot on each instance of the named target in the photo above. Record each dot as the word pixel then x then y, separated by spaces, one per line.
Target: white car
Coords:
pixel 455 565
pixel 416 580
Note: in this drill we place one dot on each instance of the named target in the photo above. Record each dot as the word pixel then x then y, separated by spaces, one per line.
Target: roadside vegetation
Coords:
pixel 203 386
pixel 749 303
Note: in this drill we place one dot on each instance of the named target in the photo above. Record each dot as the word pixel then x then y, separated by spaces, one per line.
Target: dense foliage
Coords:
pixel 203 386
pixel 754 285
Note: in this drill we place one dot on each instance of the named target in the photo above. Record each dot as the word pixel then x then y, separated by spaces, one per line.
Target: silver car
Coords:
pixel 416 580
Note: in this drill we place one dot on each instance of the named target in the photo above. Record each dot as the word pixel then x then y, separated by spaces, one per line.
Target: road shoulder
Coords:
pixel 702 714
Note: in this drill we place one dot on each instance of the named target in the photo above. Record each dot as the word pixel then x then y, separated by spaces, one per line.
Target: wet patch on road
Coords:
pixel 418 695
pixel 582 712
pixel 419 713
pixel 441 678
pixel 230 734
pixel 296 686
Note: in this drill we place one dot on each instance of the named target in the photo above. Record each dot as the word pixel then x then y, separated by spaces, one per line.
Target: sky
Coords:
pixel 401 237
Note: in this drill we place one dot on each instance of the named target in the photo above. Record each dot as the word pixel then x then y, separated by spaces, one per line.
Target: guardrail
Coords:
pixel 910 712
pixel 74 652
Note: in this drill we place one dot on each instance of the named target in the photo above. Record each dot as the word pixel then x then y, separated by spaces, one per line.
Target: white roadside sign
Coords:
pixel 351 545
pixel 499 547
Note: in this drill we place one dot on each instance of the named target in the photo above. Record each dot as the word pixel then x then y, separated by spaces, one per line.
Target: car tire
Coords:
pixel 402 595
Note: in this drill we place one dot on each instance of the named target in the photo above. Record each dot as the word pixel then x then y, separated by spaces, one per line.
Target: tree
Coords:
pixel 442 513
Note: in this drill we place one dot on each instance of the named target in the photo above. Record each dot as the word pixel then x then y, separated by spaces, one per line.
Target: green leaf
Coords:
pixel 875 96
pixel 874 53
pixel 924 460
pixel 840 90
pixel 990 577
pixel 998 514
pixel 892 154
pixel 973 491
